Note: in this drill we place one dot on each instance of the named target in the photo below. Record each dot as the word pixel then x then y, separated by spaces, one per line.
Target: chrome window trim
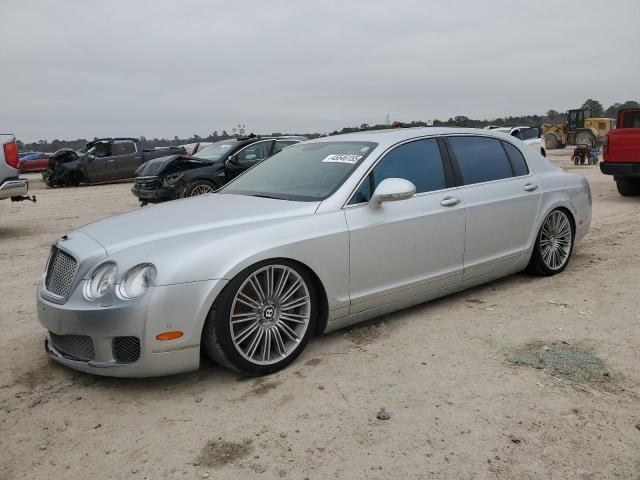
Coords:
pixel 384 153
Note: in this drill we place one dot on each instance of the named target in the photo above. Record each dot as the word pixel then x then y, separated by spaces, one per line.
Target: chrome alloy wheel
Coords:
pixel 201 190
pixel 555 240
pixel 270 314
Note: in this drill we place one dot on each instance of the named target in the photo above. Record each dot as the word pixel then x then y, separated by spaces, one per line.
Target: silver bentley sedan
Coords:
pixel 322 235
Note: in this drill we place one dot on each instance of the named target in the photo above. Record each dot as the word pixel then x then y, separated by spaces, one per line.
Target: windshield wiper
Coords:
pixel 261 195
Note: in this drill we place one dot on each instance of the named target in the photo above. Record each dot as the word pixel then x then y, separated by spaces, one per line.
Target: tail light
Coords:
pixel 11 154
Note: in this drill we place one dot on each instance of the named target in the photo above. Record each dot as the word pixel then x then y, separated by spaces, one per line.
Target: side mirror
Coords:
pixel 233 159
pixel 392 190
pixel 91 157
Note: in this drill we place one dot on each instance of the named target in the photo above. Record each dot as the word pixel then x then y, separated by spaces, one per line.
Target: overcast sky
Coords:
pixel 85 68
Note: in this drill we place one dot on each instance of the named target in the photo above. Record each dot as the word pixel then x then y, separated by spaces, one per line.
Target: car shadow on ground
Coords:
pixel 211 375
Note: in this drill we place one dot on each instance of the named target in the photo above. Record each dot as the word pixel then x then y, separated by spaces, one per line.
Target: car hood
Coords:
pixel 211 215
pixel 157 166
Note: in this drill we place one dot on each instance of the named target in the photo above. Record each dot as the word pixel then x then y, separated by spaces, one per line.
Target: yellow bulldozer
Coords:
pixel 579 129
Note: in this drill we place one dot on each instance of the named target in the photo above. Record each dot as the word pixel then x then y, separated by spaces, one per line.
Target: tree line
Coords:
pixel 551 117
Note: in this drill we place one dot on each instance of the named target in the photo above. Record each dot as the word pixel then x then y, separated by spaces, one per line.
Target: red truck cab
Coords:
pixel 621 152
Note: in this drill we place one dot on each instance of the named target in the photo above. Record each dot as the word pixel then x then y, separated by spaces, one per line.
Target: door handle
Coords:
pixel 530 187
pixel 449 201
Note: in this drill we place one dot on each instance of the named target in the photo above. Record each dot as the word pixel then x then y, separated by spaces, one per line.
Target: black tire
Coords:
pixel 628 187
pixel 198 188
pixel 585 138
pixel 537 265
pixel 217 336
pixel 543 152
pixel 551 141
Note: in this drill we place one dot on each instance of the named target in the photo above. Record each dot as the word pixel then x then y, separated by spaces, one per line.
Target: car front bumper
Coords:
pixel 155 195
pixel 83 336
pixel 16 187
pixel 630 169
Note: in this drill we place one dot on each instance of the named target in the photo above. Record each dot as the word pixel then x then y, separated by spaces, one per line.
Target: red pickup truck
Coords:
pixel 621 152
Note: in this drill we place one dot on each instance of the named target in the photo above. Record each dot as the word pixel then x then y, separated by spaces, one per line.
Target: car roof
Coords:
pixel 388 137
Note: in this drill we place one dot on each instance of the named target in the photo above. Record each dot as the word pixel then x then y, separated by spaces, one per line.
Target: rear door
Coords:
pixel 501 197
pixel 124 160
pixel 408 247
pixel 248 156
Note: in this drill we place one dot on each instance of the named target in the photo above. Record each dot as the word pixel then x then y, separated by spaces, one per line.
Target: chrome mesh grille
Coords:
pixel 75 347
pixel 126 349
pixel 61 272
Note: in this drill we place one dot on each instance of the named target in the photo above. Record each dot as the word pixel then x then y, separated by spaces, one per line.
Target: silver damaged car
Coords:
pixel 322 235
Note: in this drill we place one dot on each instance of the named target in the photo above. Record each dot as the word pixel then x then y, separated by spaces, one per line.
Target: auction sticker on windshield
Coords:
pixel 344 158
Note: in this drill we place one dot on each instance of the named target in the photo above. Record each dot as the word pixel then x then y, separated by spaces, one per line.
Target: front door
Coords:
pixel 502 200
pixel 96 163
pixel 407 247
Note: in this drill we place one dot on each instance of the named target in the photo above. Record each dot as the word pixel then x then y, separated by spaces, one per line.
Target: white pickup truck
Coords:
pixel 11 186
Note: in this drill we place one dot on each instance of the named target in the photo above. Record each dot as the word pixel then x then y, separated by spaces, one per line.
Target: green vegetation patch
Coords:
pixel 560 360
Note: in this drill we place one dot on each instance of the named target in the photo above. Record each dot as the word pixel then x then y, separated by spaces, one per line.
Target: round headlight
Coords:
pixel 102 279
pixel 137 280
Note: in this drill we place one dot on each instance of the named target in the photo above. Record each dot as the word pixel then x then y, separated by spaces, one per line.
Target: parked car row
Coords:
pixel 208 169
pixel 320 236
pixel 33 161
pixel 102 160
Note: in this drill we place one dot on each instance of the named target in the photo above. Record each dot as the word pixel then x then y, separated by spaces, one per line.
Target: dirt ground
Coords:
pixel 459 406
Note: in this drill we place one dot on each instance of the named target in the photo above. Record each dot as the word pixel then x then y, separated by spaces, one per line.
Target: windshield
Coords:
pixel 305 172
pixel 216 151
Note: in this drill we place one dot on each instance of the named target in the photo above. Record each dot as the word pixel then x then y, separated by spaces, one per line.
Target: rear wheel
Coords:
pixel 585 138
pixel 199 187
pixel 263 319
pixel 628 187
pixel 554 244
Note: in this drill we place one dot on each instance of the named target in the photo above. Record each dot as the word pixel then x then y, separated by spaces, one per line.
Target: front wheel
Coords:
pixel 199 187
pixel 554 245
pixel 263 319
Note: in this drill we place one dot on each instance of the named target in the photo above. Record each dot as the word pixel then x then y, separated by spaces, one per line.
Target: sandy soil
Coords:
pixel 458 407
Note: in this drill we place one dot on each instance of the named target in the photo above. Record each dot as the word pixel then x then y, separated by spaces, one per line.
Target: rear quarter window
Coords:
pixel 480 159
pixel 517 160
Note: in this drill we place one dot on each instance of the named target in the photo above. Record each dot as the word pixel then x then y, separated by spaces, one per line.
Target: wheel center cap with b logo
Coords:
pixel 268 312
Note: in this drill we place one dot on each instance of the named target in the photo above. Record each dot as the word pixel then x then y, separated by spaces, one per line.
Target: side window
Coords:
pixel 123 148
pixel 517 160
pixel 103 149
pixel 419 162
pixel 517 133
pixel 480 159
pixel 280 144
pixel 529 134
pixel 255 151
pixel 631 119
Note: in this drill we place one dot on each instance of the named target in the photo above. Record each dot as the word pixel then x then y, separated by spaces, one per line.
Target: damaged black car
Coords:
pixel 102 160
pixel 205 171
